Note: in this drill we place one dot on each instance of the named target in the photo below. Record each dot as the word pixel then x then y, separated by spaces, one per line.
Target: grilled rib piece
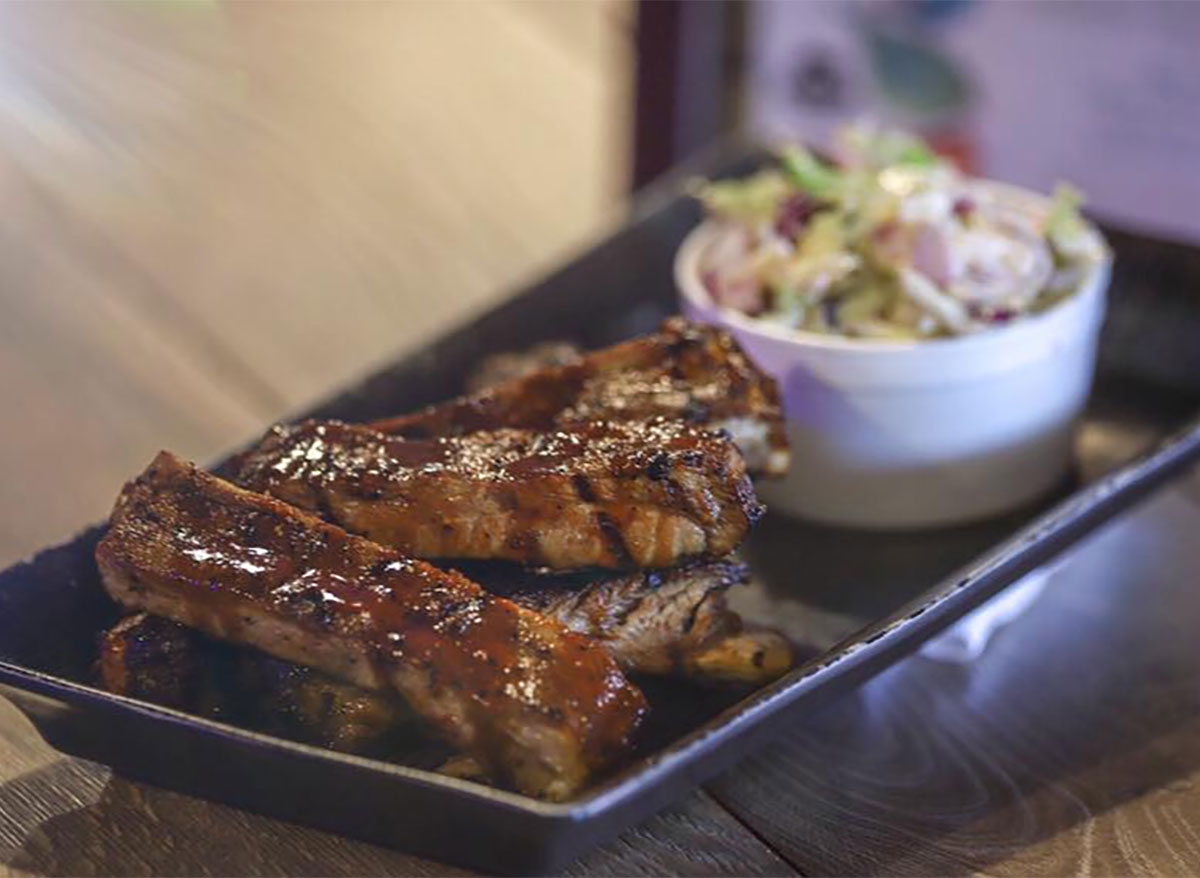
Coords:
pixel 540 707
pixel 658 622
pixel 294 701
pixel 745 658
pixel 164 662
pixel 648 619
pixel 499 368
pixel 695 374
pixel 609 495
pixel 157 660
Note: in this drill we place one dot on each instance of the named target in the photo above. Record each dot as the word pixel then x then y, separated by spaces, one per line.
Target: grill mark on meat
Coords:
pixel 583 488
pixel 608 528
pixel 690 623
pixel 659 467
pixel 629 609
pixel 324 507
pixel 611 532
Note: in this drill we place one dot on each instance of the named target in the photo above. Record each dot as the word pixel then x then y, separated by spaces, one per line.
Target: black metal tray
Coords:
pixel 854 601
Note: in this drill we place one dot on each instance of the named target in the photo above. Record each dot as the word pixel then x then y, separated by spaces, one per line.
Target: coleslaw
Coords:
pixel 888 241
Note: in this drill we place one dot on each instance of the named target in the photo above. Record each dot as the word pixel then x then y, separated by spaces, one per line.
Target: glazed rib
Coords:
pixel 157 660
pixel 648 619
pixel 608 495
pixel 656 622
pixel 686 372
pixel 540 707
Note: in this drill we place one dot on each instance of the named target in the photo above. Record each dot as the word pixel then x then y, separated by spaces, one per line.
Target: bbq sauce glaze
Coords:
pixel 616 495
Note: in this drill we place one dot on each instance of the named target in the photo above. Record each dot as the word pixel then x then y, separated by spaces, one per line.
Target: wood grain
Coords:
pixel 215 213
pixel 1071 746
pixel 83 821
pixel 696 838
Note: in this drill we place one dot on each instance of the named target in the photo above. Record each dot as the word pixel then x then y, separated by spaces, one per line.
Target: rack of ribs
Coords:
pixel 613 495
pixel 539 707
pixel 686 372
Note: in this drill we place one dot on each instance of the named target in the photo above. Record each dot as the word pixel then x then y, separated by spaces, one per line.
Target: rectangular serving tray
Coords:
pixel 854 601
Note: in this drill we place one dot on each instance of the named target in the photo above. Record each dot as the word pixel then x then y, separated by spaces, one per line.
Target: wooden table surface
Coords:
pixel 214 216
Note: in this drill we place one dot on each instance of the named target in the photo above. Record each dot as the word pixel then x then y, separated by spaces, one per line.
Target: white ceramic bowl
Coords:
pixel 913 434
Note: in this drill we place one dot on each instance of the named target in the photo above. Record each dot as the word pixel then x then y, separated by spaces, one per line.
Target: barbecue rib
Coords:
pixel 164 662
pixel 746 658
pixel 695 374
pixel 156 660
pixel 657 622
pixel 648 619
pixel 608 495
pixel 540 707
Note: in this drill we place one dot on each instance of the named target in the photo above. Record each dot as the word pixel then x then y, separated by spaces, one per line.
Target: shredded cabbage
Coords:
pixel 752 200
pixel 809 174
pixel 890 242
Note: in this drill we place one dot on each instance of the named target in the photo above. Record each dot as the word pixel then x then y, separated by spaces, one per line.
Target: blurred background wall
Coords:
pixel 1104 94
pixel 215 213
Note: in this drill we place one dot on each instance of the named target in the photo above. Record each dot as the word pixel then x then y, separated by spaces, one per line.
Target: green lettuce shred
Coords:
pixel 1064 223
pixel 751 200
pixel 810 174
